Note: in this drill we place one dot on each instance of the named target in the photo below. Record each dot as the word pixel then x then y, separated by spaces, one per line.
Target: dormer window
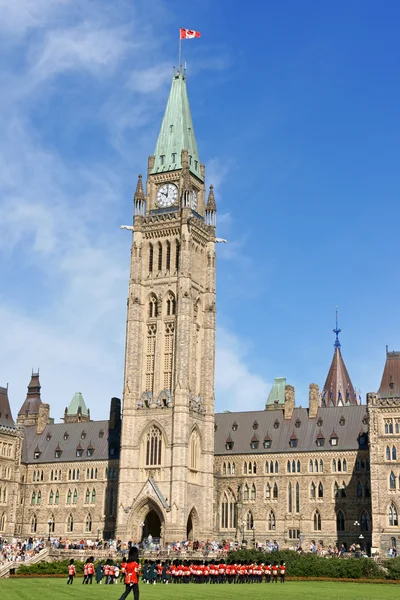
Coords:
pixel 342 421
pixel 334 441
pixel 298 423
pixel 320 441
pixel 83 435
pixel 190 160
pixel 362 439
pixel 365 421
pixel 90 452
pixel 57 454
pixel 276 424
pixel 215 427
pixel 267 442
pixel 254 442
pixel 101 433
pixel 255 425
pixel 66 435
pixel 48 437
pixel 36 454
pixel 162 159
pixel 235 426
pixel 319 422
pixel 229 443
pixel 196 164
pixel 293 441
pixel 173 157
pixel 79 451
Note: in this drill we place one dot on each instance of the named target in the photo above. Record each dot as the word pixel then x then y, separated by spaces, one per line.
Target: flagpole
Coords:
pixel 180 52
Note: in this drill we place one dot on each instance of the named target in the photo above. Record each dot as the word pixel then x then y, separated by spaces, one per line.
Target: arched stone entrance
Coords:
pixel 151 526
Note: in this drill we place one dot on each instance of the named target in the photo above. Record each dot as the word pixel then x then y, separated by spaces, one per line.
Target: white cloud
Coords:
pixel 150 80
pixel 237 387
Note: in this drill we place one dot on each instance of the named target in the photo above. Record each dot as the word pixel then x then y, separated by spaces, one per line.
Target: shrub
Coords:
pixel 311 565
pixel 393 568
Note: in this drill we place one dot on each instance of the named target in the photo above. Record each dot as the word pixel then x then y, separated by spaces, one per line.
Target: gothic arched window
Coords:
pixel 168 256
pixel 153 306
pixel 312 490
pixel 87 496
pixel 3 522
pixel 194 451
pixel 276 467
pixel 228 510
pixel 317 521
pixel 394 453
pixel 387 453
pixel 151 256
pixel 364 521
pixel 297 497
pixel 290 499
pixel 88 523
pixel 345 465
pixel 246 492
pixel 93 496
pixel 311 466
pixel 288 466
pixel 171 305
pixel 245 468
pixel 266 467
pixel 271 467
pixel 359 490
pixel 321 466
pixel 293 466
pixel 177 255
pixel 249 520
pixel 367 490
pixel 275 491
pixel 268 491
pixel 159 256
pixel 70 524
pixel 153 447
pixel 33 524
pixel 271 521
pixel 340 521
pixel 298 466
pixel 33 498
pixel 393 516
pixel 392 481
pixel 51 497
pixel 75 498
pixel 336 490
pixel 334 465
pixel 253 492
pixel 339 465
pixel 320 490
pixel 224 469
pixel 316 465
pixel 343 489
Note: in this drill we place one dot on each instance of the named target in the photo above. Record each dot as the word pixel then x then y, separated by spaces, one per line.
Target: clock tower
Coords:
pixel 167 446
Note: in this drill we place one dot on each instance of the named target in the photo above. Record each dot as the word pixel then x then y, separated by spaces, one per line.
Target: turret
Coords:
pixel 211 209
pixel 139 200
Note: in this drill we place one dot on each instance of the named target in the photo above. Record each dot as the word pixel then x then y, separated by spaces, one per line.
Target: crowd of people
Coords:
pixel 19 550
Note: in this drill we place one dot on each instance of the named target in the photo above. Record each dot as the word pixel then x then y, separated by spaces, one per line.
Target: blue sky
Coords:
pixel 295 108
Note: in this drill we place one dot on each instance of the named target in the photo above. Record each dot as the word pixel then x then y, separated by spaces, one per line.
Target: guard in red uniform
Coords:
pixel 90 569
pixel 267 570
pixel 71 572
pixel 131 574
pixel 275 572
pixel 282 571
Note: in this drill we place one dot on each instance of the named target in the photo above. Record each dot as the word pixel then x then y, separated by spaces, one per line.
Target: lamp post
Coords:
pixel 243 524
pixel 50 523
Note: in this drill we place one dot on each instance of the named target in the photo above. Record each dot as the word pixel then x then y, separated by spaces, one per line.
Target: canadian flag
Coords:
pixel 188 34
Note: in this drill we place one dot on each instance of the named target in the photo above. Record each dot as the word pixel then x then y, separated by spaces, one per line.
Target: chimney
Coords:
pixel 115 413
pixel 288 406
pixel 43 417
pixel 313 399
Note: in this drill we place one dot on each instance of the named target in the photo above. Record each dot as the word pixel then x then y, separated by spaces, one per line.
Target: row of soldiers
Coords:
pixel 210 572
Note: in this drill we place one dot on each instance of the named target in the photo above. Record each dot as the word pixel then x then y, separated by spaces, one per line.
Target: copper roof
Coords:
pixel 390 384
pixel 5 410
pixel 338 389
pixel 32 400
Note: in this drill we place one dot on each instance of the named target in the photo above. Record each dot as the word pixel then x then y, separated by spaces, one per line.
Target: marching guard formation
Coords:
pixel 182 572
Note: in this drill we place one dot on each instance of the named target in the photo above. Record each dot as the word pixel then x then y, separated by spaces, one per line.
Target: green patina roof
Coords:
pixel 176 133
pixel 277 393
pixel 77 402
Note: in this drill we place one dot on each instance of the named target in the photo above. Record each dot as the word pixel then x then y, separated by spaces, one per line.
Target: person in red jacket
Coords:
pixel 131 574
pixel 282 571
pixel 71 572
pixel 90 569
pixel 275 572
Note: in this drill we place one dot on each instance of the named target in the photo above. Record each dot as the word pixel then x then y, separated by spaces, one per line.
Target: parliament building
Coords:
pixel 165 463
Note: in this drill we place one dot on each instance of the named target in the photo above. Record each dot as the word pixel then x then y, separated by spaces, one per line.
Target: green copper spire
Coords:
pixel 77 402
pixel 176 133
pixel 276 398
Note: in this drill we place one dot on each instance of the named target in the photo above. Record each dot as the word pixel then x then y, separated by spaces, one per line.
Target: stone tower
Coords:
pixel 167 446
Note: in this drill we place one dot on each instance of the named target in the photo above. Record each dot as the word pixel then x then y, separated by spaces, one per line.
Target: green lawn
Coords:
pixel 56 589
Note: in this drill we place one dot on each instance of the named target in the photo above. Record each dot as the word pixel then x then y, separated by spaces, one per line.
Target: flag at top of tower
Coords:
pixel 188 34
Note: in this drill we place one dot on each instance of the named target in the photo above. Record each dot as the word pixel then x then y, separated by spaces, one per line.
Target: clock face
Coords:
pixel 194 200
pixel 167 195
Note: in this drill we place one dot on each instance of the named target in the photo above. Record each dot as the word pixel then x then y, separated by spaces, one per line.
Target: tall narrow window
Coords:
pixel 387 453
pixel 246 492
pixel 51 497
pixel 266 467
pixel 75 498
pixel 168 256
pixel 334 465
pixel 249 520
pixel 276 467
pixel 392 481
pixel 364 521
pixel 290 500
pixel 153 447
pixel 275 491
pixel 151 256
pixel 393 516
pixel 297 497
pixel 359 490
pixel 311 466
pixel 168 355
pixel 288 466
pixel 345 465
pixel 88 524
pixel 321 466
pixel 228 510
pixel 33 524
pixel 340 521
pixel 170 305
pixel 312 490
pixel 159 256
pixel 253 492
pixel 150 353
pixel 271 521
pixel 39 497
pixel 268 492
pixel 70 524
pixel 57 497
pixel 177 255
pixel 394 453
pixel 317 521
pixel 298 466
pixel 320 490
pixel 316 466
pixel 153 306
pixel 87 496
pixel 336 490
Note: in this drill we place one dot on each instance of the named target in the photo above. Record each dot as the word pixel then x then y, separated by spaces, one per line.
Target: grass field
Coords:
pixel 56 589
